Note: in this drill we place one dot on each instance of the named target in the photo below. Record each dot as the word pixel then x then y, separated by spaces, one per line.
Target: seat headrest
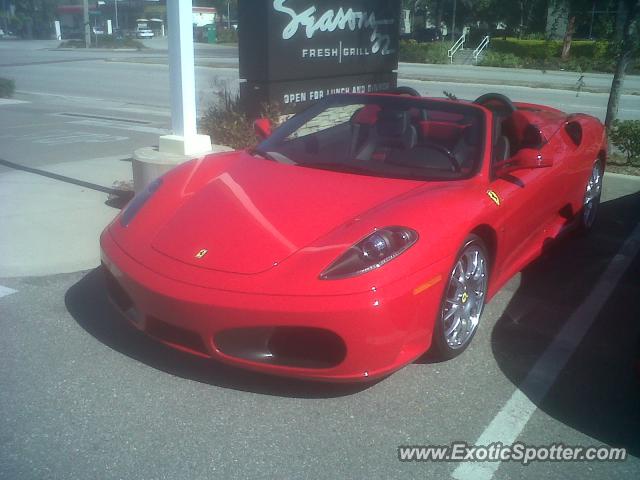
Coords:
pixel 394 130
pixel 392 123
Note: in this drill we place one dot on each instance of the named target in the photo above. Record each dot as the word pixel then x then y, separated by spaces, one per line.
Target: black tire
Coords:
pixel 440 346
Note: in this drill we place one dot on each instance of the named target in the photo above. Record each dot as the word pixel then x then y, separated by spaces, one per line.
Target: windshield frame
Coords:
pixel 296 122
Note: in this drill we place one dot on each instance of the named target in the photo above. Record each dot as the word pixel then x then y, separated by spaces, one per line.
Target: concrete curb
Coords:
pixel 623 176
pixel 509 83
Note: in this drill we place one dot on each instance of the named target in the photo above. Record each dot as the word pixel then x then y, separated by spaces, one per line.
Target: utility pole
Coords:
pixel 87 26
pixel 115 2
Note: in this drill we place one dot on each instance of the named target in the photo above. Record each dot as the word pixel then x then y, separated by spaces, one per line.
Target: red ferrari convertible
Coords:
pixel 358 235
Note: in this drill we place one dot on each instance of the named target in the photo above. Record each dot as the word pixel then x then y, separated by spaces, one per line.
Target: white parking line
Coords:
pixel 514 415
pixel 4 291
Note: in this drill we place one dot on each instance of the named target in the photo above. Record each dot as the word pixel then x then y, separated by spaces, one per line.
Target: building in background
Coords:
pixel 203 16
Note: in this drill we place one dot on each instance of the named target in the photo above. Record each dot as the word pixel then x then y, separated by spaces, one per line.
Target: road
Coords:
pixel 84 395
pixel 95 73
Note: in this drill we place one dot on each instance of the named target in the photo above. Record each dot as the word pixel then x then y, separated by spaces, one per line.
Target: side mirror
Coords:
pixel 262 127
pixel 526 158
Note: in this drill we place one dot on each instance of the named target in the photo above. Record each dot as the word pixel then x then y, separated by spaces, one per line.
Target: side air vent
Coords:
pixel 574 130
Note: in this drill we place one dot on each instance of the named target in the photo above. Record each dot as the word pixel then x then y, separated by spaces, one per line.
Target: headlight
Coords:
pixel 380 247
pixel 138 202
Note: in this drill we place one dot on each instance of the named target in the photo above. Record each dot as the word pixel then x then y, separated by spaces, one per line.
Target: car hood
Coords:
pixel 255 213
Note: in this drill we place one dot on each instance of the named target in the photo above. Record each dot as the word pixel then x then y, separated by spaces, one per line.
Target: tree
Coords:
pixel 36 17
pixel 621 15
pixel 627 48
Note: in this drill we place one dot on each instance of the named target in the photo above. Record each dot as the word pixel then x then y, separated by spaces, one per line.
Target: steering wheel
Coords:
pixel 447 153
pixel 497 103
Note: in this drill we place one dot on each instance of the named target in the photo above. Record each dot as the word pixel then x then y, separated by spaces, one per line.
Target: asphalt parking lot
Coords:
pixel 86 395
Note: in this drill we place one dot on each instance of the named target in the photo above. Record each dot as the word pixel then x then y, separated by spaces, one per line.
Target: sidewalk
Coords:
pixel 50 226
pixel 559 80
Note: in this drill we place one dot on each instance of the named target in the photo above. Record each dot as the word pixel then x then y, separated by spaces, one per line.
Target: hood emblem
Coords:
pixel 201 254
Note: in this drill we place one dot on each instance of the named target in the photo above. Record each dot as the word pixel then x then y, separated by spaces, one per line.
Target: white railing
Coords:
pixel 457 46
pixel 483 44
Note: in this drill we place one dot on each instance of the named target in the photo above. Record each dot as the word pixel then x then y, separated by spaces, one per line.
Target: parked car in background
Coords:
pixel 142 32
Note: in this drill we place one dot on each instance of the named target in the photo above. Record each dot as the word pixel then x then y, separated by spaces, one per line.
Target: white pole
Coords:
pixel 109 27
pixel 182 68
pixel 58 31
pixel 185 139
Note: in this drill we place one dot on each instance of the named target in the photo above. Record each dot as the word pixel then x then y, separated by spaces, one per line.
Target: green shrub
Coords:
pixel 110 41
pixel 505 60
pixel 626 136
pixel 105 41
pixel 536 49
pixel 7 87
pixel 590 49
pixel 435 52
pixel 533 36
pixel 575 64
pixel 227 35
pixel 227 123
pixel 547 49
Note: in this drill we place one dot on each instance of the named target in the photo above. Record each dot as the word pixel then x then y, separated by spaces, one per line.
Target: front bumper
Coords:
pixel 355 337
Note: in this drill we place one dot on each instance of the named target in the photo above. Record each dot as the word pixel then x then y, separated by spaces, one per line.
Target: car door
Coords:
pixel 531 203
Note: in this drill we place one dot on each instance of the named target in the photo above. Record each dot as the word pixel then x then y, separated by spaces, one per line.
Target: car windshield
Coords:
pixel 383 135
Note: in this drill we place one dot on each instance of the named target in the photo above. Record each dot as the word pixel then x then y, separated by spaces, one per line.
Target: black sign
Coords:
pixel 295 95
pixel 303 39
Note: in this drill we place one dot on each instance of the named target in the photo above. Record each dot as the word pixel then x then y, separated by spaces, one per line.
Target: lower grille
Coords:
pixel 176 336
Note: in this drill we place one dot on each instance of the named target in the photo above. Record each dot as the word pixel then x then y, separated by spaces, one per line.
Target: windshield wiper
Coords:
pixel 340 167
pixel 262 153
pixel 273 156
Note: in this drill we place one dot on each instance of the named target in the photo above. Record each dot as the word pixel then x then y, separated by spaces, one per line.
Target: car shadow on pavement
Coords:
pixel 598 391
pixel 88 304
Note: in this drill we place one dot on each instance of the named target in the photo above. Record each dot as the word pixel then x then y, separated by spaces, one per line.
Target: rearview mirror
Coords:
pixel 262 127
pixel 525 158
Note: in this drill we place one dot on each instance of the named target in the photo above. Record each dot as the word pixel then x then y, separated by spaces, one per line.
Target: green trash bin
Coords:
pixel 212 34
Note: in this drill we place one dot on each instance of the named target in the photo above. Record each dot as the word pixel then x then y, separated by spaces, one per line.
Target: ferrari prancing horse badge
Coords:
pixel 494 196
